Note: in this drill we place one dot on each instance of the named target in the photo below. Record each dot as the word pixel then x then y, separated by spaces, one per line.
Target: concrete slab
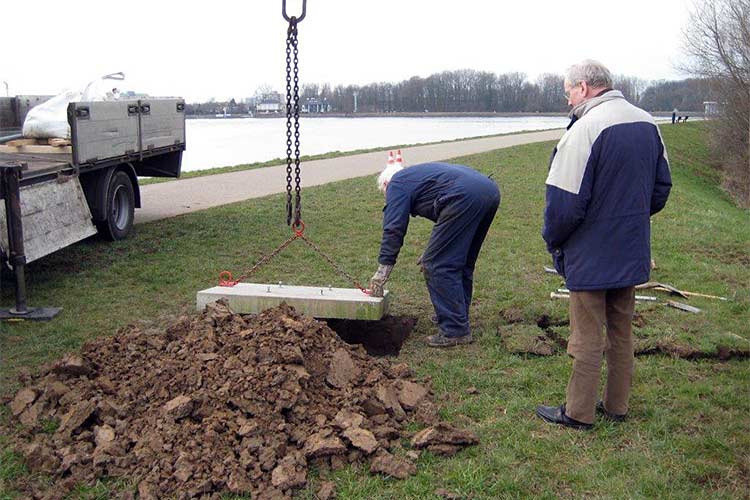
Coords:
pixel 319 302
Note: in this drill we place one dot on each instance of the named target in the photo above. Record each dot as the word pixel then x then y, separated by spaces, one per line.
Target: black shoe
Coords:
pixel 609 416
pixel 556 415
pixel 440 340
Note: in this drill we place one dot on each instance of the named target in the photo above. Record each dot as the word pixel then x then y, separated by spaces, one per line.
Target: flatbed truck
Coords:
pixel 57 195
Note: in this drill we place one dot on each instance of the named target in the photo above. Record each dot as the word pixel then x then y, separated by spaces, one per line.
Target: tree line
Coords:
pixel 474 91
pixel 459 91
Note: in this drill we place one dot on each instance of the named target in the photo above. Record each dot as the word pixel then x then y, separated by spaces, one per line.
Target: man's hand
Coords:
pixel 377 282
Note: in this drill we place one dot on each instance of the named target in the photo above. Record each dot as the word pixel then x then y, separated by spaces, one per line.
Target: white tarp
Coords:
pixel 50 119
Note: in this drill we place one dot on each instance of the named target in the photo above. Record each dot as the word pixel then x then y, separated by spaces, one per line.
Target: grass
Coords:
pixel 687 436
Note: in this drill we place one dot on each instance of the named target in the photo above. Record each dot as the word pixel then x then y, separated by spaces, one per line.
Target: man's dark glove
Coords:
pixel 377 282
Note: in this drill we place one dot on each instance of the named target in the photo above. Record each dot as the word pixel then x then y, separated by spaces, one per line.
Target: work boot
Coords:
pixel 441 340
pixel 608 415
pixel 556 415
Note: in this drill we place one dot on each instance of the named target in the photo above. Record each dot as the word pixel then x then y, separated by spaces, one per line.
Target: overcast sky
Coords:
pixel 224 49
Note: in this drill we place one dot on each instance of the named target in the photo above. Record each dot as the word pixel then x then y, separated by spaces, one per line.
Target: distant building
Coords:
pixel 269 103
pixel 710 108
pixel 315 105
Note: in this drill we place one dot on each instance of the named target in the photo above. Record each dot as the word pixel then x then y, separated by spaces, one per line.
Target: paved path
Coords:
pixel 199 193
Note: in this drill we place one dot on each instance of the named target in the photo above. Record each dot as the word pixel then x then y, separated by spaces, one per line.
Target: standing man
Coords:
pixel 608 175
pixel 462 203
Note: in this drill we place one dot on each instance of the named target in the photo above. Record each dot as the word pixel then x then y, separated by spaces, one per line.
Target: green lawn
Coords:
pixel 689 431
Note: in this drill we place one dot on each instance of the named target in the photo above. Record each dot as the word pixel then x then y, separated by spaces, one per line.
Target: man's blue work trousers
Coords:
pixel 448 261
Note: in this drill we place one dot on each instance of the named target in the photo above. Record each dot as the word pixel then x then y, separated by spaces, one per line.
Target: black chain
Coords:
pixel 297 234
pixel 262 261
pixel 331 262
pixel 292 111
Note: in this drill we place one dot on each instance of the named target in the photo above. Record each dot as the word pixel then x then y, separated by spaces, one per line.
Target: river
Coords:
pixel 225 142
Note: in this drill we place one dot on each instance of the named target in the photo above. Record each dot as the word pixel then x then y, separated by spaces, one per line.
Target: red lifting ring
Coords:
pixel 298 227
pixel 225 279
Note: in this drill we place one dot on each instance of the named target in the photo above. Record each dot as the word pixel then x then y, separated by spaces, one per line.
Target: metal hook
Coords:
pixel 289 19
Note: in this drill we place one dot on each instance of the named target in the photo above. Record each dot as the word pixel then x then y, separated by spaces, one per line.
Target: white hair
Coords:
pixel 594 73
pixel 385 176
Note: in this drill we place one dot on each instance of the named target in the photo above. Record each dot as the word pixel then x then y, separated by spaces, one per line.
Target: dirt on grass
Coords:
pixel 522 338
pixel 221 403
pixel 548 337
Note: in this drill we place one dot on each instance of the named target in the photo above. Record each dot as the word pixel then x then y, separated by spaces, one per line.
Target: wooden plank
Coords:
pixel 21 142
pixel 35 149
pixel 57 142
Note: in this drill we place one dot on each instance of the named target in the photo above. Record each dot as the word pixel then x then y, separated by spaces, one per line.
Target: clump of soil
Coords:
pixel 544 322
pixel 522 338
pixel 220 402
pixel 512 314
pixel 679 349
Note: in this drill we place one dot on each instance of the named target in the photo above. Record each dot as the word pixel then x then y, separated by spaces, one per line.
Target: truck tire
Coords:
pixel 120 208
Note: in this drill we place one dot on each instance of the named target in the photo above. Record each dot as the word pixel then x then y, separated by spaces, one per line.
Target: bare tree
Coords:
pixel 263 90
pixel 630 86
pixel 717 41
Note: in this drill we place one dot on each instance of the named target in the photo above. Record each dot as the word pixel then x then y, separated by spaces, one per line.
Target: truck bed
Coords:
pixel 39 165
pixel 47 166
pixel 149 134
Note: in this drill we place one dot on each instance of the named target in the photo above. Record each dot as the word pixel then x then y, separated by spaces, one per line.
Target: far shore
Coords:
pixel 422 115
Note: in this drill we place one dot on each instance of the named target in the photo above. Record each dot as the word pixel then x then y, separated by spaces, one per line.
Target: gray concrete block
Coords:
pixel 319 302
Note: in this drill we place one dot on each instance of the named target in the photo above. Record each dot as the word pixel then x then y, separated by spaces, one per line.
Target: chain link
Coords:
pixel 265 259
pixel 291 32
pixel 292 116
pixel 331 261
pixel 297 189
pixel 299 234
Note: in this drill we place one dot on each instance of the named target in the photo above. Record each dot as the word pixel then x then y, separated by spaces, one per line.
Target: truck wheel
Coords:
pixel 120 208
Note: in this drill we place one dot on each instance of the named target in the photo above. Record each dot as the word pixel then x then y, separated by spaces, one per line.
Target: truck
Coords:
pixel 59 193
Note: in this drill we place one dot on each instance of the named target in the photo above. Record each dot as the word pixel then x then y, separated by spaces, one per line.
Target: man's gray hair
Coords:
pixel 594 73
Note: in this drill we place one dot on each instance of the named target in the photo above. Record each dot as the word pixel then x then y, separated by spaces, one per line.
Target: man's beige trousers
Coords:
pixel 600 322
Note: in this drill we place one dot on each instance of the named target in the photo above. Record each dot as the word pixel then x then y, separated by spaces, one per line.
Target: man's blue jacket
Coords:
pixel 608 174
pixel 423 190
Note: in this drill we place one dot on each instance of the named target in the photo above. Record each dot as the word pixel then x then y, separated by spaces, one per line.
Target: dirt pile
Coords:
pixel 220 402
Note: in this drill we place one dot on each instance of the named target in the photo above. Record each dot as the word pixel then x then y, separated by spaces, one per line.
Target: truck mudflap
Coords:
pixel 55 215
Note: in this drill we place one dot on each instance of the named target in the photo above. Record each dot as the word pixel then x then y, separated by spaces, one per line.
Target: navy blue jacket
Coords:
pixel 423 190
pixel 608 175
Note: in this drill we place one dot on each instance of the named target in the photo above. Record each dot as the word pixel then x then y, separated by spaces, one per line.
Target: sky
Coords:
pixel 223 49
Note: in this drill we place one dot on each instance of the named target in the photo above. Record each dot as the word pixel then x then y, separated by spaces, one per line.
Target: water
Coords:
pixel 225 142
